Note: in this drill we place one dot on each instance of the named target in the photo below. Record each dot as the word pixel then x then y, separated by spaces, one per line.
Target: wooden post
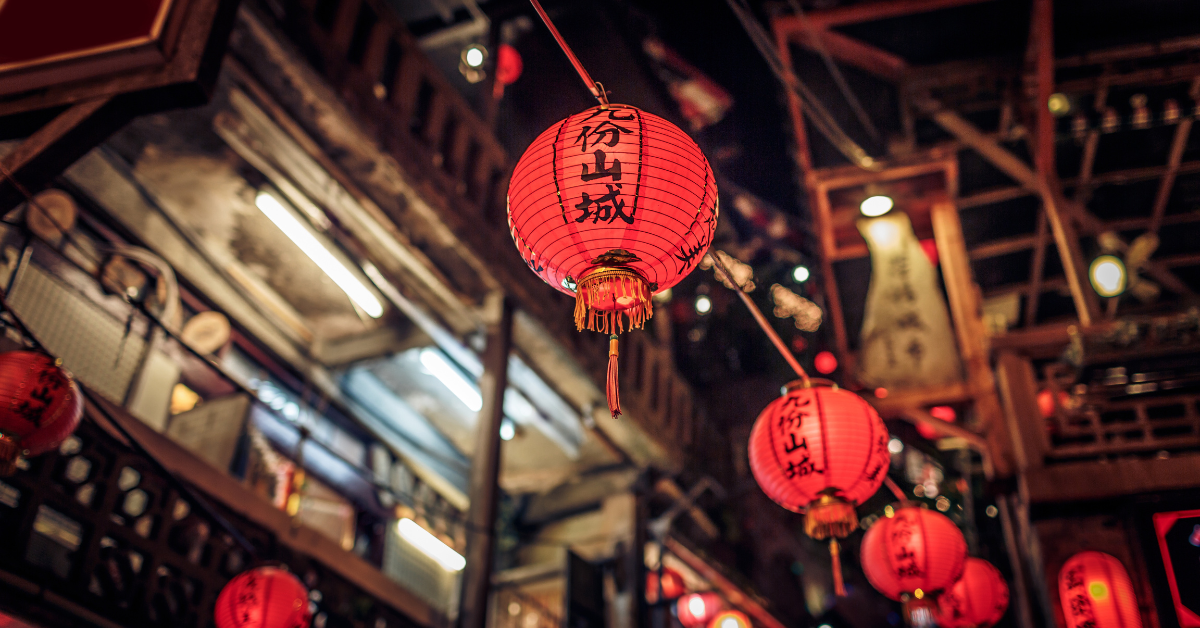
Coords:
pixel 485 469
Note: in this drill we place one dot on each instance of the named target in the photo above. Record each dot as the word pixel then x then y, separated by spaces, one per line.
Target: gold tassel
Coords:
pixel 606 286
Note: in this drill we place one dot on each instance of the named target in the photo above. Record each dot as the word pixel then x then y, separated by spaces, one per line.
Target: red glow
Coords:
pixel 945 413
pixel 1045 402
pixel 977 600
pixel 672 585
pixel 825 363
pixel 881 393
pixel 508 65
pixel 696 609
pixel 1099 584
pixel 932 549
pixel 265 597
pixel 929 247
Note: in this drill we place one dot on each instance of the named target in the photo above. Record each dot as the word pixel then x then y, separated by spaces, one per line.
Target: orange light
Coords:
pixel 881 393
pixel 825 363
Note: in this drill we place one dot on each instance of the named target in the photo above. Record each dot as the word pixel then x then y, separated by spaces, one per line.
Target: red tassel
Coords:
pixel 839 587
pixel 613 389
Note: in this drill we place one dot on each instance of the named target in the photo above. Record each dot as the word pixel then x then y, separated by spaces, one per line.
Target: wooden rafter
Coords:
pixel 868 12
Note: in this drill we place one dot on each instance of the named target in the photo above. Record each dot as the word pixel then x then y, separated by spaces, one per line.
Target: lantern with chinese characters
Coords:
pixel 1096 592
pixel 820 450
pixel 611 206
pixel 40 405
pixel 264 597
pixel 977 600
pixel 671 583
pixel 910 555
pixel 729 619
pixel 696 609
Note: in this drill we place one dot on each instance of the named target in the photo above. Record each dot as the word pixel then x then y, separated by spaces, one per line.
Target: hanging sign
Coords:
pixel 907 340
pixel 1179 541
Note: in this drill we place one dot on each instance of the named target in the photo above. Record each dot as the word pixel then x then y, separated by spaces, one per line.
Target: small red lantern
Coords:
pixel 40 405
pixel 825 362
pixel 696 609
pixel 822 449
pixel 910 555
pixel 508 65
pixel 671 582
pixel 264 597
pixel 1096 592
pixel 730 619
pixel 977 600
pixel 612 205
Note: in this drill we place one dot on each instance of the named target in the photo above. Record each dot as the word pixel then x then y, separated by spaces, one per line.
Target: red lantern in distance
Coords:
pixel 910 555
pixel 610 206
pixel 977 600
pixel 825 363
pixel 672 585
pixel 1096 592
pixel 40 405
pixel 729 619
pixel 696 609
pixel 264 597
pixel 822 451
pixel 508 65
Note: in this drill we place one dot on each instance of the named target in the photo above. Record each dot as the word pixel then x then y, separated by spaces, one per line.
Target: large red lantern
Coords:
pixel 822 451
pixel 1096 592
pixel 671 583
pixel 40 405
pixel 977 600
pixel 264 597
pixel 612 205
pixel 910 555
pixel 696 609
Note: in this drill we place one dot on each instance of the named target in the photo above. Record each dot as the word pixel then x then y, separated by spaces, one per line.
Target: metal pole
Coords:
pixel 485 469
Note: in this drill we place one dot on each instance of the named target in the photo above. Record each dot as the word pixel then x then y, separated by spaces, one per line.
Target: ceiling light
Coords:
pixel 452 378
pixel 474 55
pixel 317 252
pixel 703 304
pixel 507 430
pixel 1108 275
pixel 877 205
pixel 430 545
pixel 800 274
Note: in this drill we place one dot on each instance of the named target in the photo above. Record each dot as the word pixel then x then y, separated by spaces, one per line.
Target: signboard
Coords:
pixel 1179 541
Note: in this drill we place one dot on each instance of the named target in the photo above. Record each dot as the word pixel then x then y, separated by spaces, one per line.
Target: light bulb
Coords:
pixel 800 274
pixel 703 304
pixel 1108 275
pixel 877 205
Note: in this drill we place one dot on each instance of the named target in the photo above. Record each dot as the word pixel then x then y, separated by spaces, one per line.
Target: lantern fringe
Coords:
pixel 835 553
pixel 9 452
pixel 613 389
pixel 830 516
pixel 596 301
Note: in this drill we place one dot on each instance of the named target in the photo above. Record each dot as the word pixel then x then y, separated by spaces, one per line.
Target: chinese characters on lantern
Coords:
pixel 793 414
pixel 603 204
pixel 1078 602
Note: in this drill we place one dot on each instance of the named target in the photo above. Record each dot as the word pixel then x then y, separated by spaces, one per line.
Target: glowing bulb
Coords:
pixel 895 445
pixel 919 594
pixel 430 545
pixel 474 55
pixel 730 622
pixel 876 205
pixel 703 304
pixel 992 511
pixel 696 605
pixel 507 430
pixel 884 233
pixel 269 205
pixel 1058 104
pixel 800 274
pixel 1108 275
pixel 889 512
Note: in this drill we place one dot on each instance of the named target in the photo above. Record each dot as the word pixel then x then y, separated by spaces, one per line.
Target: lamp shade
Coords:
pixel 1096 592
pixel 912 554
pixel 977 600
pixel 264 597
pixel 40 406
pixel 696 609
pixel 612 205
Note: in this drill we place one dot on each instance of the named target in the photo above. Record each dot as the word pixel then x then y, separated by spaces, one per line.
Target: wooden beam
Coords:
pixel 996 248
pixel 1018 389
pixel 869 12
pixel 1037 267
pixel 856 53
pixel 1167 183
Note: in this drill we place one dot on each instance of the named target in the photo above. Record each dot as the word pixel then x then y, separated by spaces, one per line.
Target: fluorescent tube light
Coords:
pixel 430 545
pixel 450 376
pixel 315 251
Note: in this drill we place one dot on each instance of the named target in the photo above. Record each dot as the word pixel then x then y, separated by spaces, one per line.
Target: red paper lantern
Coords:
pixel 672 585
pixel 696 609
pixel 1096 592
pixel 508 65
pixel 822 451
pixel 264 597
pixel 912 554
pixel 977 600
pixel 730 619
pixel 40 405
pixel 612 205
pixel 825 363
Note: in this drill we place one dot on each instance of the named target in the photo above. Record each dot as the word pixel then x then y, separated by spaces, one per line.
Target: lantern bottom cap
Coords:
pixel 611 299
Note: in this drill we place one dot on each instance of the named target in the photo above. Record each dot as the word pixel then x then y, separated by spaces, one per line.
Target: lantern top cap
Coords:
pixel 812 382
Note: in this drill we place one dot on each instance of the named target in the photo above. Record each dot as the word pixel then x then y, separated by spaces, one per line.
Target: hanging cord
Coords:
pixel 815 36
pixel 761 320
pixel 817 114
pixel 597 89
pixel 894 488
